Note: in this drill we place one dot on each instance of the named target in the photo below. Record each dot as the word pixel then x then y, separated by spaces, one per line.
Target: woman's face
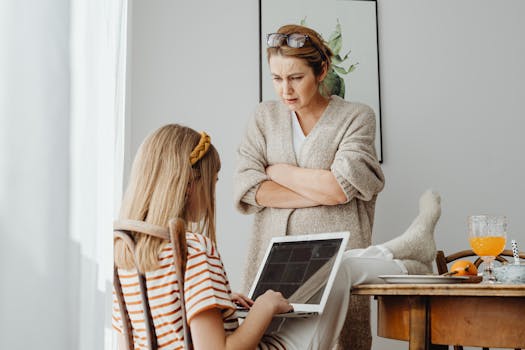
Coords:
pixel 294 82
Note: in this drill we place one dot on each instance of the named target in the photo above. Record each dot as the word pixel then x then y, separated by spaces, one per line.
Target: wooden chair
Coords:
pixel 443 260
pixel 122 230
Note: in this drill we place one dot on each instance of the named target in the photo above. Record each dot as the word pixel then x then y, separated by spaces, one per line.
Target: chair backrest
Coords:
pixel 443 260
pixel 176 234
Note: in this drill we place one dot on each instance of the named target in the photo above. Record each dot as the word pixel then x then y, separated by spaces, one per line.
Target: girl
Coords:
pixel 173 176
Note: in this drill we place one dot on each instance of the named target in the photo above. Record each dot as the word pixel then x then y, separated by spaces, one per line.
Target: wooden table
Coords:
pixel 452 314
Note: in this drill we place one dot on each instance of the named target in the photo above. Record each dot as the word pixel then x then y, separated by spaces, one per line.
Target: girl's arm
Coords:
pixel 275 195
pixel 315 185
pixel 207 327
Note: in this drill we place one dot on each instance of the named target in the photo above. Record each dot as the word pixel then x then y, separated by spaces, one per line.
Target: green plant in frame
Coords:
pixel 334 84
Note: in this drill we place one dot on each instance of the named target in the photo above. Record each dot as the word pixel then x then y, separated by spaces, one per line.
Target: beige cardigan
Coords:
pixel 342 141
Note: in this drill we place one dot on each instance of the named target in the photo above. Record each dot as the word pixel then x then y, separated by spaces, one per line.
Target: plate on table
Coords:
pixel 426 279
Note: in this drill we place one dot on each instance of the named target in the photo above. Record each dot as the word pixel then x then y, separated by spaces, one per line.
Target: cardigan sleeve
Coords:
pixel 251 166
pixel 355 165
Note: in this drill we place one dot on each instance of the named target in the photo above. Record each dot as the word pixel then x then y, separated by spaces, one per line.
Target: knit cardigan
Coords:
pixel 341 141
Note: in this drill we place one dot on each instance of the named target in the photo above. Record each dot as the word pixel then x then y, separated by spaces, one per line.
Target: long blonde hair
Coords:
pixel 158 190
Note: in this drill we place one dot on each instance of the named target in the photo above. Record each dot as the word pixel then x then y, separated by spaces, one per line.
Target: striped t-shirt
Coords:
pixel 206 286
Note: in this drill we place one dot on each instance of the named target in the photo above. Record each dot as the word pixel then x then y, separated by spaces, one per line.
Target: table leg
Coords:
pixel 419 333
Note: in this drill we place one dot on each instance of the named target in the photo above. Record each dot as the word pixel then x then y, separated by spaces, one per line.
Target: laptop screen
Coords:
pixel 299 269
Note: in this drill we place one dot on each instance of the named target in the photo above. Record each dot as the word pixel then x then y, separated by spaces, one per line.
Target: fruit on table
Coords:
pixel 463 268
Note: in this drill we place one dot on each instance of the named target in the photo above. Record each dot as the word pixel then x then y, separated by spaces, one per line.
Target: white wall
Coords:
pixel 199 68
pixel 452 84
pixel 452 78
pixel 34 176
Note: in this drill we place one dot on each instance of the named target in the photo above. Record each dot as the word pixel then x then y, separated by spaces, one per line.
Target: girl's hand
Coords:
pixel 279 304
pixel 242 300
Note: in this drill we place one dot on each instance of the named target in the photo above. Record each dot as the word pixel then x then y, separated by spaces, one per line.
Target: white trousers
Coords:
pixel 358 266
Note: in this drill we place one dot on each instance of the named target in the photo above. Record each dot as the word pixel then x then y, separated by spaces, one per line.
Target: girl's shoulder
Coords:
pixel 198 243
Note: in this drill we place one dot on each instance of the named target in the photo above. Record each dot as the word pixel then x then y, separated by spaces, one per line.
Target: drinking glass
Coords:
pixel 487 237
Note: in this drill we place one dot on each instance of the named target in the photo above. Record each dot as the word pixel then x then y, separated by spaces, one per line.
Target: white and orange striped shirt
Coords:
pixel 206 286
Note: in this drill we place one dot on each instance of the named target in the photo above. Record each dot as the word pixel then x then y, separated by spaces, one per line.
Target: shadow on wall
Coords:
pixel 45 302
pixel 89 307
pixel 34 291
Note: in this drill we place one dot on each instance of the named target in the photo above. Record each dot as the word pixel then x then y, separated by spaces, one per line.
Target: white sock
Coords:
pixel 417 267
pixel 417 242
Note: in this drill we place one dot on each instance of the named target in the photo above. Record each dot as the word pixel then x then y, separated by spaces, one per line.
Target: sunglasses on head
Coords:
pixel 294 40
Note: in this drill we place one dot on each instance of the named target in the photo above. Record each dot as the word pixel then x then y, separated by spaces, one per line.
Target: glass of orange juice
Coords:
pixel 487 237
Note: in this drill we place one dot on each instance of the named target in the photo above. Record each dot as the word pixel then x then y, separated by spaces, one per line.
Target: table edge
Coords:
pixel 466 289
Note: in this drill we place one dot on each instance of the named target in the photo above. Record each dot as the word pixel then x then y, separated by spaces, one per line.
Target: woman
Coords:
pixel 173 176
pixel 307 163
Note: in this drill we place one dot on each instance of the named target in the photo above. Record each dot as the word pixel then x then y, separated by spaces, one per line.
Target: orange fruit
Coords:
pixel 463 268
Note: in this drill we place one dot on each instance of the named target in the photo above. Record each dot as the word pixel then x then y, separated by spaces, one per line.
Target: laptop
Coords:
pixel 302 268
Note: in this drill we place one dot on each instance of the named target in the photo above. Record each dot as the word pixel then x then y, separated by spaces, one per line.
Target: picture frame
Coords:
pixel 351 29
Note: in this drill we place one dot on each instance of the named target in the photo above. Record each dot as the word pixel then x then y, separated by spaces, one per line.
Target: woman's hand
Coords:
pixel 276 301
pixel 275 171
pixel 242 300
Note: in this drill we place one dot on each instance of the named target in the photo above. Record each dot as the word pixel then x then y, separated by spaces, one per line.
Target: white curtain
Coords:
pixel 62 88
pixel 98 47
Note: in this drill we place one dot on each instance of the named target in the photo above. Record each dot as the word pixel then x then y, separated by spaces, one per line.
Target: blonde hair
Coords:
pixel 315 52
pixel 158 190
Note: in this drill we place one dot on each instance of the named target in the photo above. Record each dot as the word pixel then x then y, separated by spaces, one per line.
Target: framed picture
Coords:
pixel 350 29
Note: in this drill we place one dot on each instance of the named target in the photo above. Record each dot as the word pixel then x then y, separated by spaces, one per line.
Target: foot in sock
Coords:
pixel 417 242
pixel 417 267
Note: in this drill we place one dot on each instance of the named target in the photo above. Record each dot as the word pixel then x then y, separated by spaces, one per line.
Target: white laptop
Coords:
pixel 302 268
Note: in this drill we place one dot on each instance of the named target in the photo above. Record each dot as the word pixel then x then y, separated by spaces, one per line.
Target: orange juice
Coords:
pixel 487 245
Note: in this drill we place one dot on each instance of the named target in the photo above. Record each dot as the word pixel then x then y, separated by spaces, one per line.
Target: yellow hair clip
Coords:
pixel 200 150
